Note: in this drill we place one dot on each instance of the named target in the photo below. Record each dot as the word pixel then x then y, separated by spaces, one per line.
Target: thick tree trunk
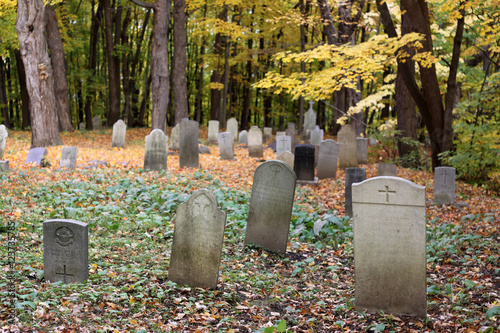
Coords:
pixel 25 97
pixel 113 67
pixel 247 89
pixel 223 111
pixel 3 95
pixel 40 85
pixel 125 68
pixel 215 93
pixel 180 58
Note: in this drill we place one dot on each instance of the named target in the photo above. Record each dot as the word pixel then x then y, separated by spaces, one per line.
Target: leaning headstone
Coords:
pixel 204 150
pixel 119 133
pixel 3 140
pixel 96 123
pixel 255 148
pixel 68 157
pixel 271 205
pixel 243 138
pixel 389 246
pixel 81 126
pixel 213 130
pixel 226 148
pixel 268 133
pixel 197 244
pixel 348 156
pixel 362 149
pixel 327 159
pixel 387 169
pixel 304 165
pixel 232 127
pixel 283 143
pixel 309 120
pixel 287 157
pixel 65 251
pixel 174 138
pixel 188 144
pixel 352 175
pixel 316 136
pixel 444 185
pixel 156 151
pixel 4 166
pixel 37 155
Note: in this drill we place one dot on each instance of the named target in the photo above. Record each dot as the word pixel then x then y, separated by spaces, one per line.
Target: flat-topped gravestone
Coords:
pixel 213 130
pixel 283 143
pixel 37 155
pixel 444 185
pixel 268 133
pixel 255 148
pixel 4 166
pixel 174 138
pixel 119 133
pixel 287 157
pixel 68 157
pixel 96 123
pixel 362 148
pixel 65 251
pixel 243 138
pixel 280 133
pixel 189 144
pixel 387 169
pixel 348 147
pixel 327 159
pixel 232 127
pixel 304 164
pixel 226 148
pixel 352 175
pixel 271 205
pixel 389 246
pixel 3 139
pixel 316 136
pixel 309 119
pixel 197 244
pixel 156 151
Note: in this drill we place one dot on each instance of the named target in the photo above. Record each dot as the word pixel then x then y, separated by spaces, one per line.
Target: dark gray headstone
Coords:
pixel 444 185
pixel 304 164
pixel 96 123
pixel 3 140
pixel 327 160
pixel 387 169
pixel 36 155
pixel 352 175
pixel 156 151
pixel 226 148
pixel 188 144
pixel 68 157
pixel 255 148
pixel 119 133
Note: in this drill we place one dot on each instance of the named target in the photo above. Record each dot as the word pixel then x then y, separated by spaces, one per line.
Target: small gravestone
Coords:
pixel 81 126
pixel 188 144
pixel 37 155
pixel 119 133
pixel 156 151
pixel 204 150
pixel 68 157
pixel 197 244
pixel 65 251
pixel 291 130
pixel 444 185
pixel 283 133
pixel 348 149
pixel 309 120
pixel 3 139
pixel 255 148
pixel 174 138
pixel 243 139
pixel 352 175
pixel 327 159
pixel 96 123
pixel 362 149
pixel 271 205
pixel 213 130
pixel 283 143
pixel 387 169
pixel 304 165
pixel 287 157
pixel 232 127
pixel 268 133
pixel 316 136
pixel 226 148
pixel 4 166
pixel 389 246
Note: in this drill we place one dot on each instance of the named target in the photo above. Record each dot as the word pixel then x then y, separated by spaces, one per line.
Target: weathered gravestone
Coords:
pixel 188 144
pixel 304 164
pixel 287 157
pixel 283 143
pixel 387 169
pixel 316 136
pixel 444 185
pixel 243 139
pixel 389 246
pixel 280 133
pixel 352 175
pixel 255 148
pixel 81 126
pixel 96 123
pixel 119 133
pixel 271 205
pixel 226 149
pixel 37 155
pixel 309 120
pixel 232 127
pixel 65 251
pixel 291 130
pixel 3 139
pixel 197 244
pixel 156 151
pixel 327 159
pixel 348 156
pixel 174 138
pixel 68 157
pixel 268 133
pixel 362 149
pixel 213 130
pixel 4 166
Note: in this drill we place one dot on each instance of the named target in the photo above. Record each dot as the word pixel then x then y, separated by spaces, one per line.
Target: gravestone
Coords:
pixel 268 133
pixel 372 141
pixel 243 139
pixel 174 138
pixel 226 149
pixel 81 126
pixel 37 155
pixel 188 144
pixel 119 133
pixel 96 123
pixel 283 143
pixel 271 205
pixel 232 127
pixel 282 133
pixel 387 169
pixel 204 150
pixel 352 175
pixel 309 120
pixel 65 251
pixel 3 139
pixel 348 156
pixel 4 166
pixel 291 130
pixel 303 164
pixel 156 151
pixel 255 148
pixel 213 130
pixel 362 149
pixel 444 185
pixel 316 136
pixel 327 159
pixel 68 157
pixel 197 244
pixel 389 246
pixel 287 157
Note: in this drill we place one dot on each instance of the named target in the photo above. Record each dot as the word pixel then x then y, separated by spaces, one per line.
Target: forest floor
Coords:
pixel 130 213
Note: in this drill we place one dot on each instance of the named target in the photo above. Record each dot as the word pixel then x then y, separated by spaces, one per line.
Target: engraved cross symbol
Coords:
pixel 274 171
pixel 64 274
pixel 387 192
pixel 445 173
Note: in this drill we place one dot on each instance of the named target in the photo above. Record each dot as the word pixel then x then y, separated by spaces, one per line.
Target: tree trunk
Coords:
pixel 302 66
pixel 226 84
pixel 25 97
pixel 40 85
pixel 247 90
pixel 113 67
pixel 180 59
pixel 215 93
pixel 3 96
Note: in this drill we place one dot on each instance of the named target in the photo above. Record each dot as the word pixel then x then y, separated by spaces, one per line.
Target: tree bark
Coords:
pixel 113 67
pixel 247 88
pixel 3 96
pixel 215 94
pixel 180 59
pixel 25 97
pixel 127 105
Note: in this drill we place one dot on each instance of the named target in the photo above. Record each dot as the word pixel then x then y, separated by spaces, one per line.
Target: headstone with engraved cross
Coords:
pixel 444 185
pixel 65 251
pixel 226 146
pixel 119 133
pixel 389 246
pixel 283 143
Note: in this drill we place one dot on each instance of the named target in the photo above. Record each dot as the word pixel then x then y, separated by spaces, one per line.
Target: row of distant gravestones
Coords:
pixel 389 238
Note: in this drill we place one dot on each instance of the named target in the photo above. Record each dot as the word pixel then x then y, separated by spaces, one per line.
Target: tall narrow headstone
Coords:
pixel 348 156
pixel 309 120
pixel 389 246
pixel 387 169
pixel 65 251
pixel 287 157
pixel 268 133
pixel 444 185
pixel 156 151
pixel 232 127
pixel 3 139
pixel 255 148
pixel 68 157
pixel 352 175
pixel 304 164
pixel 213 130
pixel 327 160
pixel 119 133
pixel 197 244
pixel 243 138
pixel 283 143
pixel 226 146
pixel 96 123
pixel 316 136
pixel 174 138
pixel 362 148
pixel 189 144
pixel 271 205
pixel 36 155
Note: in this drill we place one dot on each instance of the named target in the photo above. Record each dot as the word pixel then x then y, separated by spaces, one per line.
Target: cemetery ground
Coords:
pixel 130 213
